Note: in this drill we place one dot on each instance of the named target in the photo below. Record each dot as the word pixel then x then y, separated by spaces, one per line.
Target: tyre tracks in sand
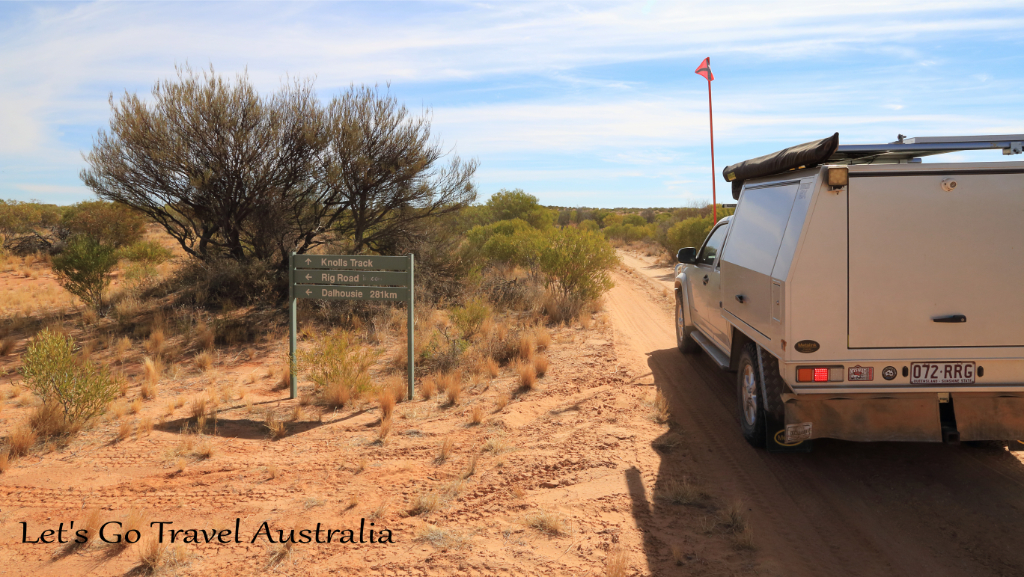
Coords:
pixel 846 508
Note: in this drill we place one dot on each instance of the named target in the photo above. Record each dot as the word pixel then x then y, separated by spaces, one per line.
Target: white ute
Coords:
pixel 863 295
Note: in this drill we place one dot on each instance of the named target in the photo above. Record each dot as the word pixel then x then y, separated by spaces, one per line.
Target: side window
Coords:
pixel 709 253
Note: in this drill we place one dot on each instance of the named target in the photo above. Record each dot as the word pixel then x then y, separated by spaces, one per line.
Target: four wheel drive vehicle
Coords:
pixel 863 295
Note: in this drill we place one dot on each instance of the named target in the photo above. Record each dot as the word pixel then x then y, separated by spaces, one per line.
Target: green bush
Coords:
pixel 516 204
pixel 470 317
pixel 635 220
pixel 631 232
pixel 578 260
pixel 689 232
pixel 590 224
pixel 508 241
pixel 83 269
pixel 110 224
pixel 81 389
pixel 145 251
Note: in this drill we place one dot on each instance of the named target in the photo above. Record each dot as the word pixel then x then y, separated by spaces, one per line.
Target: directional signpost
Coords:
pixel 350 277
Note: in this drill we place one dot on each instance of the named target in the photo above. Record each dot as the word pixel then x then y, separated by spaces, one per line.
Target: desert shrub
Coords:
pixel 634 220
pixel 689 232
pixel 516 204
pixel 84 267
pixel 441 352
pixel 204 283
pixel 470 317
pixel 631 233
pixel 26 227
pixel 338 366
pixel 578 261
pixel 521 248
pixel 510 293
pixel 146 251
pixel 109 224
pixel 589 225
pixel 81 389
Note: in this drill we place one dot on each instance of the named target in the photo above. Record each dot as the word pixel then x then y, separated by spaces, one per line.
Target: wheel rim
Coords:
pixel 749 393
pixel 680 322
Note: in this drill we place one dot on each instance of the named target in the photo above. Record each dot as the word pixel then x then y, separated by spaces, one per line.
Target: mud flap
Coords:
pixel 772 388
pixel 1015 445
pixel 775 440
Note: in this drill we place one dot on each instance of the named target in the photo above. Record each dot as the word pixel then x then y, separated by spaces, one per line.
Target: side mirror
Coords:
pixel 687 255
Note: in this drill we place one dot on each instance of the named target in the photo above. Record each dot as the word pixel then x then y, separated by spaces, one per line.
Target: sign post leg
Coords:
pixel 412 300
pixel 292 328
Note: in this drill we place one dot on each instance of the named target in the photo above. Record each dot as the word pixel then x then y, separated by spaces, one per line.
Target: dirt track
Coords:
pixel 846 508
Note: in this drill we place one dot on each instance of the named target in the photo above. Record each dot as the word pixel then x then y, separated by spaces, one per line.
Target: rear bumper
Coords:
pixel 907 416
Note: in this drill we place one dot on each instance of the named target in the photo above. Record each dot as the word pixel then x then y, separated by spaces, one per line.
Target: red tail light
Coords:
pixel 829 374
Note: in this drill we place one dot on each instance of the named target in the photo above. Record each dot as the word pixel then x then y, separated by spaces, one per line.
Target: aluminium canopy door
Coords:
pixel 923 254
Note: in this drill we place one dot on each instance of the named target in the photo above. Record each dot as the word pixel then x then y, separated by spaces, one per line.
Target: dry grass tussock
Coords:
pixel 275 426
pixel 134 521
pixel 617 562
pixel 7 345
pixel 447 446
pixel 734 517
pixel 541 363
pixel 501 401
pixel 428 388
pixel 5 460
pixel 476 416
pixel 155 342
pixel 386 399
pixel 682 492
pixel 444 539
pixel 152 369
pixel 527 376
pixel 545 522
pixel 203 361
pixel 385 429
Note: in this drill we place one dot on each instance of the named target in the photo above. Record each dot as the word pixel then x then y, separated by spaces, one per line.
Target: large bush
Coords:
pixel 516 204
pixel 108 223
pixel 513 242
pixel 689 232
pixel 81 389
pixel 84 267
pixel 578 261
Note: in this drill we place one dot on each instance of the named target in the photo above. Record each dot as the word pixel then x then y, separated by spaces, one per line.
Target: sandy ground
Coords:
pixel 587 450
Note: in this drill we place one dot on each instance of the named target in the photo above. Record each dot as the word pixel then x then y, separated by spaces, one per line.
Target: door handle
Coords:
pixel 950 319
pixel 741 298
pixel 705 280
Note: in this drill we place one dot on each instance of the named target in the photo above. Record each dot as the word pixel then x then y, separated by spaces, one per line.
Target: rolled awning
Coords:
pixel 800 156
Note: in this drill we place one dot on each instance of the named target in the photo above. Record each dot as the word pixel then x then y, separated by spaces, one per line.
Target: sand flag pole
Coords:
pixel 705 70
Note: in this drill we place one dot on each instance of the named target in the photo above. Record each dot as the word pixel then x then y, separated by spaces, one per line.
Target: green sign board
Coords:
pixel 351 277
pixel 343 261
pixel 339 277
pixel 352 293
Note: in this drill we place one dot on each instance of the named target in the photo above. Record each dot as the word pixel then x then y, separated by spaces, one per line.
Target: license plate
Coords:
pixel 959 373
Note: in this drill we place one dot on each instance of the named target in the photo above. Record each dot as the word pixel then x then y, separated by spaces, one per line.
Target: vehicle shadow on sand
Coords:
pixel 845 500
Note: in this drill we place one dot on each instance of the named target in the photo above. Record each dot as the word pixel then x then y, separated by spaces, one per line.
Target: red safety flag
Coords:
pixel 705 69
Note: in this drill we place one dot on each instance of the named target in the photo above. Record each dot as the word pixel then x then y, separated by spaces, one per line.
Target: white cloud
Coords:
pixel 58 62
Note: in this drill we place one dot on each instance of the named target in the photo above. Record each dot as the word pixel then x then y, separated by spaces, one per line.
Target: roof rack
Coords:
pixel 906 150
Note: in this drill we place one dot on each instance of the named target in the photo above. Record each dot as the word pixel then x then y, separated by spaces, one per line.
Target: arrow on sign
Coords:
pixel 308 261
pixel 308 291
pixel 308 277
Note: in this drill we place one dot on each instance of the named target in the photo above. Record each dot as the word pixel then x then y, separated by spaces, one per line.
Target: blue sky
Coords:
pixel 590 103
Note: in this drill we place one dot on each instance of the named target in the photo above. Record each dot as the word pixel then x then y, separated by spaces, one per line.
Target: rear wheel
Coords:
pixel 684 341
pixel 749 398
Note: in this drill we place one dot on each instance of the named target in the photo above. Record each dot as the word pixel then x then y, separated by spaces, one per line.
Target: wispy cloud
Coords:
pixel 517 84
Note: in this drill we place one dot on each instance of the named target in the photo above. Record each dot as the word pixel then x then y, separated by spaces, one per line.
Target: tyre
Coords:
pixel 684 341
pixel 749 398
